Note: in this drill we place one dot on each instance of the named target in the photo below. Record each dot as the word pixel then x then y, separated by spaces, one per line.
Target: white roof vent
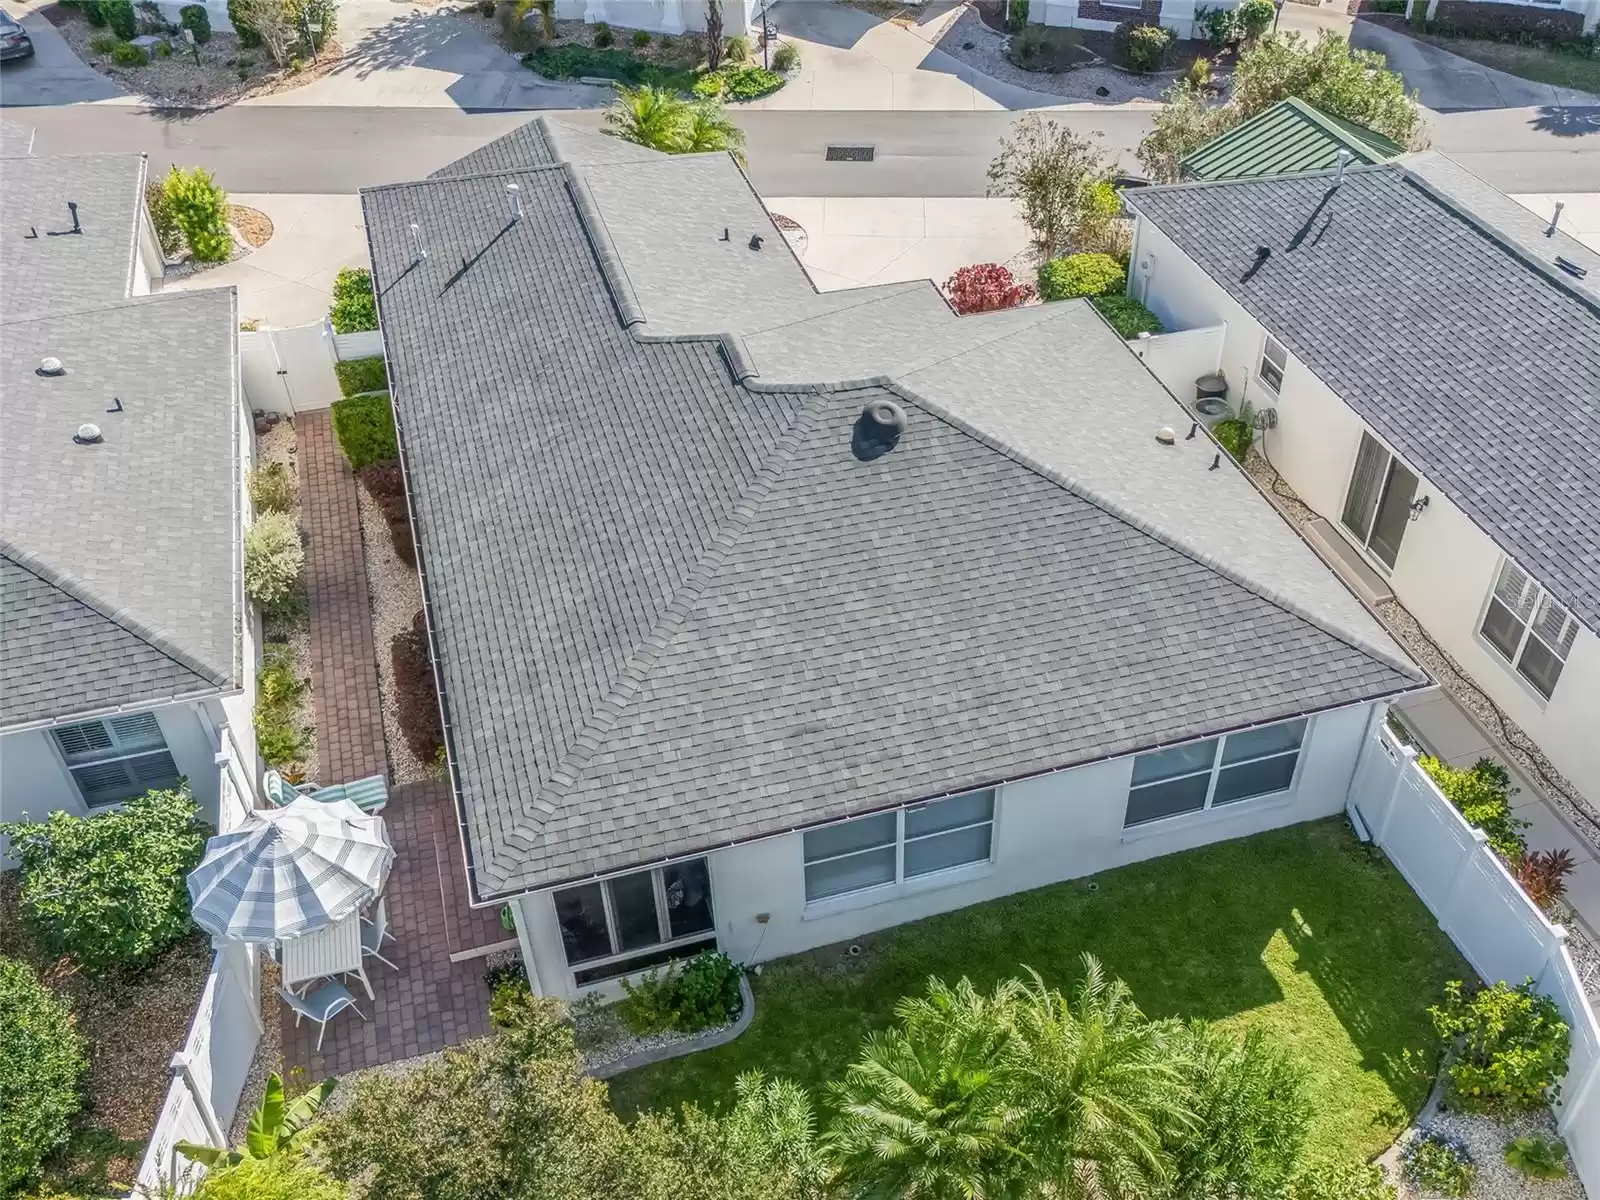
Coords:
pixel 50 365
pixel 88 434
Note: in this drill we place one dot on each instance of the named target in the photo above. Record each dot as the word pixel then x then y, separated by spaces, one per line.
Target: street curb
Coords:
pixel 717 1037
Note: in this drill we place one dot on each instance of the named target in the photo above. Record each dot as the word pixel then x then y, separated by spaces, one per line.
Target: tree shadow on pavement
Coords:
pixel 1568 122
pixel 440 40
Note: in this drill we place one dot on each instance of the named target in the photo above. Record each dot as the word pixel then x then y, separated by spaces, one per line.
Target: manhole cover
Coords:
pixel 849 153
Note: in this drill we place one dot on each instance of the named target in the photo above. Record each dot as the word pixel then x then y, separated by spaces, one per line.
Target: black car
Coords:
pixel 14 40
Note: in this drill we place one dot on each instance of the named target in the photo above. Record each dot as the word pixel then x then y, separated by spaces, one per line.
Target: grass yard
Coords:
pixel 1300 932
pixel 1537 62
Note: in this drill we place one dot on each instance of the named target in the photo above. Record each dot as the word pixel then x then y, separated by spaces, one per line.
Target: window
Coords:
pixel 1530 630
pixel 1378 505
pixel 1201 775
pixel 896 846
pixel 117 758
pixel 636 921
pixel 1274 362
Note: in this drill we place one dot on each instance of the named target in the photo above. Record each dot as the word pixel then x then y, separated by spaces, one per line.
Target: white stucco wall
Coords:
pixel 1446 565
pixel 1047 829
pixel 661 16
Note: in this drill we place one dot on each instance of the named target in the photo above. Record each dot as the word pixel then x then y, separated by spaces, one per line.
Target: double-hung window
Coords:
pixel 626 924
pixel 1274 362
pixel 1377 507
pixel 1197 776
pixel 117 758
pixel 1530 630
pixel 892 847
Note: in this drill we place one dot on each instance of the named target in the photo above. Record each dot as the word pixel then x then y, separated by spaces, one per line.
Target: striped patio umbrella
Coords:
pixel 290 871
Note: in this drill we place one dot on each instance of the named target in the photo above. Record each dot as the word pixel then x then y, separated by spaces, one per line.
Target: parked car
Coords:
pixel 14 40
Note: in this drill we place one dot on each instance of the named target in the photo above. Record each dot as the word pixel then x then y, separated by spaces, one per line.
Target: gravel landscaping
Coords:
pixel 278 445
pixel 1485 1139
pixel 974 43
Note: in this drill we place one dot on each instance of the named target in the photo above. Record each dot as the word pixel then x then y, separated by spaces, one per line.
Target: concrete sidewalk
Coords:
pixel 857 241
pixel 1448 83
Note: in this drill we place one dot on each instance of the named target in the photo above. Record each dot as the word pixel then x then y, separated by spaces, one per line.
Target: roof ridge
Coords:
pixel 430 181
pixel 74 587
pixel 636 669
pixel 1165 537
pixel 169 296
pixel 1132 195
pixel 1340 127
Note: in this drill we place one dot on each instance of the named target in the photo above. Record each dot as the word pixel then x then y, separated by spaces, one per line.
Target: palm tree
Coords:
pixel 649 116
pixel 1101 1086
pixel 709 128
pixel 927 1112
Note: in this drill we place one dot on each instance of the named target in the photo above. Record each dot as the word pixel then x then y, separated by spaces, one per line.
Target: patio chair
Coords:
pixel 322 1005
pixel 370 795
pixel 374 933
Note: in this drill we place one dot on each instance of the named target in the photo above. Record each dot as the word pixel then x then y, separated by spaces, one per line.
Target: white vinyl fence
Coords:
pixel 291 370
pixel 1492 922
pixel 208 1073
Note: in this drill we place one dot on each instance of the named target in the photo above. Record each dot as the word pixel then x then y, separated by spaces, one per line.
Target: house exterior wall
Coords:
pixel 1053 827
pixel 1176 15
pixel 1446 565
pixel 661 16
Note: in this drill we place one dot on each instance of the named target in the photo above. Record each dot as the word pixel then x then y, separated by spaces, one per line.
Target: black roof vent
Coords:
pixel 877 430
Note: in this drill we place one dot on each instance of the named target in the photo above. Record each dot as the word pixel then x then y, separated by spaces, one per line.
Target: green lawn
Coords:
pixel 1299 932
pixel 1538 63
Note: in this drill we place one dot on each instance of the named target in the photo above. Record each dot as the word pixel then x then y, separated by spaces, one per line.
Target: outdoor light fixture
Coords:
pixel 1418 507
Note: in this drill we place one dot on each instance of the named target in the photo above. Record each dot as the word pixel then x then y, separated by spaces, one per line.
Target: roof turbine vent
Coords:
pixel 50 365
pixel 877 430
pixel 88 435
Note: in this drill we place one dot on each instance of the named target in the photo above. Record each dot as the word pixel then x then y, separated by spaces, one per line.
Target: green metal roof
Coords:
pixel 1289 137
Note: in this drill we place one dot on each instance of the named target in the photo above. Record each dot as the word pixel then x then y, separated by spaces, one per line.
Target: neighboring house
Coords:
pixel 1176 15
pixel 725 660
pixel 739 17
pixel 126 654
pixel 1289 137
pixel 1430 353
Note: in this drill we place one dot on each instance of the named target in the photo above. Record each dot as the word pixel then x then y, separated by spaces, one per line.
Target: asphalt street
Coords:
pixel 327 150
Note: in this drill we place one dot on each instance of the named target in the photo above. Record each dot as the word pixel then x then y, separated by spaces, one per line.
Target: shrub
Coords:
pixel 573 61
pixel 126 54
pixel 197 21
pixel 1016 15
pixel 1081 275
pixel 104 43
pixel 1219 26
pixel 985 287
pixel 517 34
pixel 750 83
pixel 1482 794
pixel 1510 1048
pixel 1142 46
pixel 273 559
pixel 108 889
pixel 641 38
pixel 1438 1164
pixel 163 49
pixel 272 488
pixel 416 697
pixel 119 15
pixel 354 309
pixel 41 1074
pixel 1254 17
pixel 1504 23
pixel 603 36
pixel 314 12
pixel 785 58
pixel 1537 1157
pixel 699 994
pixel 93 13
pixel 364 426
pixel 710 85
pixel 242 29
pixel 1383 6
pixel 358 375
pixel 278 692
pixel 200 211
pixel 1543 875
pixel 280 1177
pixel 1341 1181
pixel 1236 435
pixel 1127 316
pixel 736 50
pixel 384 483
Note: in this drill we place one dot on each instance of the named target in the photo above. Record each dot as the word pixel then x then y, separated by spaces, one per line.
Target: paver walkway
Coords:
pixel 428 1000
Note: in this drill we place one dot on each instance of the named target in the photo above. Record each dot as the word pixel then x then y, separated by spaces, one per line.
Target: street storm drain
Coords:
pixel 849 154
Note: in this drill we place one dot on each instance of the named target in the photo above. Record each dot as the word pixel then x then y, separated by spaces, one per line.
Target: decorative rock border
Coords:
pixel 690 1045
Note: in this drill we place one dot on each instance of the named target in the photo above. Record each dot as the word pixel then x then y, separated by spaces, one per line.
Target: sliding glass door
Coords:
pixel 1378 506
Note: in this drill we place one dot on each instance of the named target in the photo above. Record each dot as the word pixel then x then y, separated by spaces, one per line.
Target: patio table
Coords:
pixel 335 950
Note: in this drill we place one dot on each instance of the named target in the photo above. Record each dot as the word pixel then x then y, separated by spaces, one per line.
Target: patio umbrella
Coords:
pixel 290 871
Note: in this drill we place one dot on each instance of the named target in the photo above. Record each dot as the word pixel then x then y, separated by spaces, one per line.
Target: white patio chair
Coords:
pixel 375 932
pixel 322 1005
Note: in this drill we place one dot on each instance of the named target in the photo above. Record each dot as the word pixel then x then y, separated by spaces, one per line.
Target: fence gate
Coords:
pixel 288 370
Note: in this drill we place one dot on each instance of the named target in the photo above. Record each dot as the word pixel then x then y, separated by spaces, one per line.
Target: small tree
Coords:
pixel 41 1074
pixel 1510 1047
pixel 709 128
pixel 108 890
pixel 275 1126
pixel 273 559
pixel 354 308
pixel 985 287
pixel 1187 121
pixel 1354 84
pixel 714 44
pixel 200 210
pixel 197 20
pixel 1049 171
pixel 272 22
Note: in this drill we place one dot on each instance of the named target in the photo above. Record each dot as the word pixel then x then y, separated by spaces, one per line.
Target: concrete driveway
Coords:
pixel 400 55
pixel 54 75
pixel 1449 83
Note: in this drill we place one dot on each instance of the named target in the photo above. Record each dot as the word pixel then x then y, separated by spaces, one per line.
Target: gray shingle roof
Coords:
pixel 670 610
pixel 140 530
pixel 1466 349
pixel 16 141
pixel 58 270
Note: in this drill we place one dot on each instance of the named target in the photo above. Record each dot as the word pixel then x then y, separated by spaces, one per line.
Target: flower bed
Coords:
pixel 286 649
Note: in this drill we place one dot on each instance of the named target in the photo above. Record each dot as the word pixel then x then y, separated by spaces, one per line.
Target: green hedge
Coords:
pixel 577 62
pixel 354 309
pixel 120 16
pixel 1081 275
pixel 357 375
pixel 364 426
pixel 1127 316
pixel 41 1074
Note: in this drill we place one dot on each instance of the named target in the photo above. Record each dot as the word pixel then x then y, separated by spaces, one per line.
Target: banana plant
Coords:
pixel 274 1126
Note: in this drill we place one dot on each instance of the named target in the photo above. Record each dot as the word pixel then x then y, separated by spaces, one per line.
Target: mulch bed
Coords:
pixel 254 226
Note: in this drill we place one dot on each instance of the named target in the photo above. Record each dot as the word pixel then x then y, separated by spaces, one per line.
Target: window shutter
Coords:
pixel 155 770
pixel 89 737
pixel 1555 626
pixel 137 730
pixel 1366 481
pixel 102 779
pixel 1515 590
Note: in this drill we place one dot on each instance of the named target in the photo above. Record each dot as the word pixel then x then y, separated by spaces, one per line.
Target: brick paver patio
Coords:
pixel 430 1001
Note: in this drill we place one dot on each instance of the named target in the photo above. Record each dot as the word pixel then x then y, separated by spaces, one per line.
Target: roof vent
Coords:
pixel 50 365
pixel 1167 436
pixel 515 193
pixel 878 429
pixel 1343 159
pixel 88 435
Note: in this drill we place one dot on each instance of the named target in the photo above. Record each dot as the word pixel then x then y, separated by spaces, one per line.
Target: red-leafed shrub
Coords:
pixel 386 486
pixel 984 288
pixel 415 697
